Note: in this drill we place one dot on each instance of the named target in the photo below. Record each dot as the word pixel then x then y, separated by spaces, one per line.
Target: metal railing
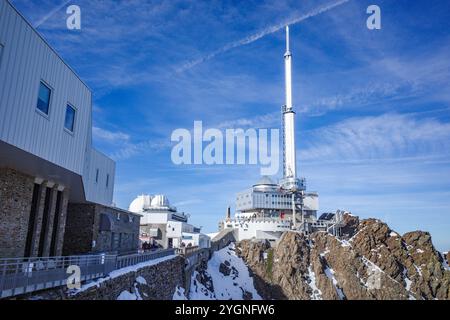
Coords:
pixel 133 259
pixel 196 257
pixel 26 275
pixel 186 251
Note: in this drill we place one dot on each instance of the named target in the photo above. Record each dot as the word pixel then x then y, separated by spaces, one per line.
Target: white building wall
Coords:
pixel 99 191
pixel 25 60
pixel 311 202
pixel 174 229
pixel 153 218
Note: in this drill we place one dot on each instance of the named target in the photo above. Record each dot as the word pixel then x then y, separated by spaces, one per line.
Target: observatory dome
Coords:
pixel 265 184
pixel 140 204
pixel 160 201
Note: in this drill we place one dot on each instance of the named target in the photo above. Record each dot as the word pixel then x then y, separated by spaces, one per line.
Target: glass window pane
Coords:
pixel 70 118
pixel 43 103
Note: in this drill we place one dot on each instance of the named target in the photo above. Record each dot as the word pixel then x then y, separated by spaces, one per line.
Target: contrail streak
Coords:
pixel 260 34
pixel 50 14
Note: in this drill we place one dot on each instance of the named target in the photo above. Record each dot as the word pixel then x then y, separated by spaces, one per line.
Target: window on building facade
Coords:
pixel 107 180
pixel 97 172
pixel 69 122
pixel 43 103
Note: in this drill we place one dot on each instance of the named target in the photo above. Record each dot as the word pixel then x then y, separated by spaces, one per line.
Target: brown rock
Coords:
pixel 370 262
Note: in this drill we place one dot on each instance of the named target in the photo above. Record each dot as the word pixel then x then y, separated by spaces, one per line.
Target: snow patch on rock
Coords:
pixel 230 277
pixel 329 272
pixel 316 293
pixel 179 294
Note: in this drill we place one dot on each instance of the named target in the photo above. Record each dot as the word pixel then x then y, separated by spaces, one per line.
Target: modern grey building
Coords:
pixel 47 162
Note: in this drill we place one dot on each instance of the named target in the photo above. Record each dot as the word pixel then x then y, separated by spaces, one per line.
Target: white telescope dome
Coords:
pixel 265 184
pixel 160 201
pixel 140 204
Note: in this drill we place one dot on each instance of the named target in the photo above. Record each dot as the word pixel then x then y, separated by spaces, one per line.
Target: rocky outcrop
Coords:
pixel 369 262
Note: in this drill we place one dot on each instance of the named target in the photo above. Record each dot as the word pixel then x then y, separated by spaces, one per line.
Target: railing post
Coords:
pixel 2 283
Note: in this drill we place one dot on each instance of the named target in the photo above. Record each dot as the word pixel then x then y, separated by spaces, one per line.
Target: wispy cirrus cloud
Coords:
pixel 260 34
pixel 109 136
pixel 384 136
pixel 51 13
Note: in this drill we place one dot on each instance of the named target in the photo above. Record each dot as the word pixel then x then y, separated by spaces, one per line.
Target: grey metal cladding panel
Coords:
pixel 27 60
pixel 98 192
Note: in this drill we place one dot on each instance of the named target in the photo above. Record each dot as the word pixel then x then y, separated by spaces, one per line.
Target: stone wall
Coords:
pixel 223 239
pixel 19 238
pixel 79 228
pixel 161 281
pixel 16 192
pixel 91 228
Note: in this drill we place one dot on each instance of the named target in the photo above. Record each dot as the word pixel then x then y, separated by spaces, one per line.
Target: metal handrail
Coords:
pixel 133 259
pixel 25 275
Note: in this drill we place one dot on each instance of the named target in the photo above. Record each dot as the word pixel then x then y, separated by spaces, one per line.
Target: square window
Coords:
pixel 43 103
pixel 69 122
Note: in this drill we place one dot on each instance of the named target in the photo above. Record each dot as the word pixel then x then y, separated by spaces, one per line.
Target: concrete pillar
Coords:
pixel 38 222
pixel 62 223
pixel 51 218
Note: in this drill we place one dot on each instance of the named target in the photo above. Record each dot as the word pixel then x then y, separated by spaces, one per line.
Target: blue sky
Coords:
pixel 373 107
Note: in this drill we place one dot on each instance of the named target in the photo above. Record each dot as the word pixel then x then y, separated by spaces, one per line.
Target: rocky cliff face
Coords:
pixel 370 262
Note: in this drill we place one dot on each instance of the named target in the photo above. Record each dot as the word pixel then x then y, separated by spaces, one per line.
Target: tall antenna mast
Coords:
pixel 287 38
pixel 289 170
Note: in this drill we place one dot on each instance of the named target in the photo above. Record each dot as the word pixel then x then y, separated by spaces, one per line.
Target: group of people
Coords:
pixel 146 246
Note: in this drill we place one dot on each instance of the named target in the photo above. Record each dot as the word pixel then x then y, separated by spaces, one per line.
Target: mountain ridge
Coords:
pixel 369 261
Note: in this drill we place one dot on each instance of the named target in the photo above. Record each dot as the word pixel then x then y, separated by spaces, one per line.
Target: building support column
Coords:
pixel 47 237
pixel 35 235
pixel 294 218
pixel 59 238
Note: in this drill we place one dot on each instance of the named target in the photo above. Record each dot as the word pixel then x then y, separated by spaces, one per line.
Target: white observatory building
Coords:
pixel 163 224
pixel 268 209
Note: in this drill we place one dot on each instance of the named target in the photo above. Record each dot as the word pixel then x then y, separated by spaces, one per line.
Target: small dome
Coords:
pixel 140 204
pixel 160 201
pixel 265 184
pixel 265 181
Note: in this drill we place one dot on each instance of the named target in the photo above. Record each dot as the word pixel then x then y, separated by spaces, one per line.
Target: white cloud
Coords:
pixel 262 33
pixel 388 135
pixel 109 136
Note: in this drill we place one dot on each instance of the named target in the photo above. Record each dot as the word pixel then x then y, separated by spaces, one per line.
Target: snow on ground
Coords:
pixel 198 291
pixel 316 293
pixel 179 294
pixel 126 295
pixel 330 274
pixel 393 234
pixel 141 280
pixel 444 261
pixel 407 281
pixel 226 287
pixel 418 269
pixel 120 272
pixel 323 254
